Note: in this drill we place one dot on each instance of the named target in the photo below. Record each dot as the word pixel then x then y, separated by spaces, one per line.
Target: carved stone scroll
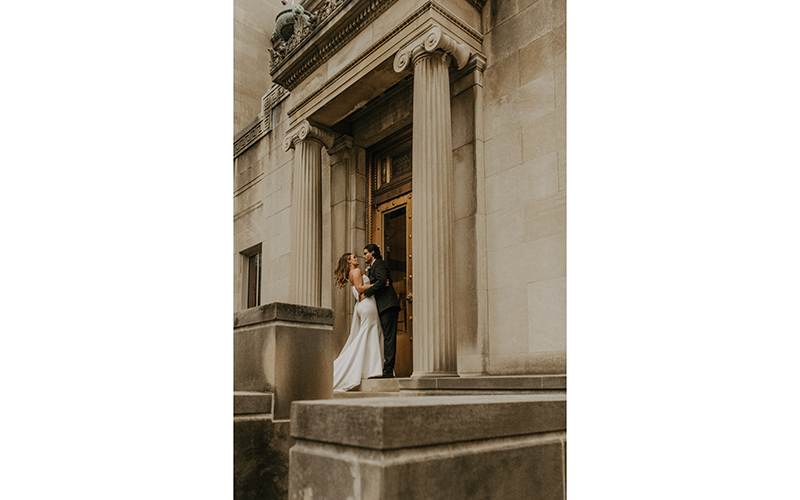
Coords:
pixel 432 40
pixel 308 131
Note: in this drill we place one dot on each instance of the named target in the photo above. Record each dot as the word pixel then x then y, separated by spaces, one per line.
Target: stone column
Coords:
pixel 307 141
pixel 435 352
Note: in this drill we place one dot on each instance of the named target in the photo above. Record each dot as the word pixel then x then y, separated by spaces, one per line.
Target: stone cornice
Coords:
pixel 433 39
pixel 308 131
pixel 322 50
pixel 430 5
pixel 304 30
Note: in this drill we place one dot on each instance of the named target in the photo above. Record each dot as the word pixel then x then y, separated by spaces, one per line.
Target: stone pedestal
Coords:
pixel 307 140
pixel 465 447
pixel 432 158
pixel 286 350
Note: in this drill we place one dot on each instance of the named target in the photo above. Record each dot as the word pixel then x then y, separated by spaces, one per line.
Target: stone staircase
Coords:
pixel 458 386
pixel 260 448
pixel 373 388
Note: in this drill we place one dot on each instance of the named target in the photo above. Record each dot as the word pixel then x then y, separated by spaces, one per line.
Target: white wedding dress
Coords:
pixel 362 355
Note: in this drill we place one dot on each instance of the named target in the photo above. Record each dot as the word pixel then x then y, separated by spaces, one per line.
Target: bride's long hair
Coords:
pixel 342 274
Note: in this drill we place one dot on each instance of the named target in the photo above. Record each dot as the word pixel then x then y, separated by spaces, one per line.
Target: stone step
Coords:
pixel 380 384
pixel 359 394
pixel 486 383
pixel 248 403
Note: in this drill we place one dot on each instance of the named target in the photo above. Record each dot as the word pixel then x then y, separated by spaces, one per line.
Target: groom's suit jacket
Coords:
pixel 385 296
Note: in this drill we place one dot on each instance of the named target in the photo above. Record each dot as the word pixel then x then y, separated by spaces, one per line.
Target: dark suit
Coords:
pixel 388 307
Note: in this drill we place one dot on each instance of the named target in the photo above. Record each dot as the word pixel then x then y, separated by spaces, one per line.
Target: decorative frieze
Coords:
pixel 254 133
pixel 305 25
pixel 263 125
pixel 287 49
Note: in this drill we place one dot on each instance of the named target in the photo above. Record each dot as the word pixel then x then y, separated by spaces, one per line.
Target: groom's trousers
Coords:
pixel 389 326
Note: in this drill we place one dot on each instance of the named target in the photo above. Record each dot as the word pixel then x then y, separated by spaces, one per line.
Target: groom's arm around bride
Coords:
pixel 378 276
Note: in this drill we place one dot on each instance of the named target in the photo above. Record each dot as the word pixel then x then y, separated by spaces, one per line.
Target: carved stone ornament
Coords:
pixel 305 24
pixel 432 40
pixel 308 131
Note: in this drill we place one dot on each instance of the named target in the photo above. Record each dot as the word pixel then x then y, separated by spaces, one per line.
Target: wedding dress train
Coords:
pixel 362 354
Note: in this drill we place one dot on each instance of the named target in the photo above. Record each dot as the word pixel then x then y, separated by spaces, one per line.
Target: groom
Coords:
pixel 387 302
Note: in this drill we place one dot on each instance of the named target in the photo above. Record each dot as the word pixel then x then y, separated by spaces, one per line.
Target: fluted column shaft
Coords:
pixel 307 140
pixel 306 286
pixel 432 184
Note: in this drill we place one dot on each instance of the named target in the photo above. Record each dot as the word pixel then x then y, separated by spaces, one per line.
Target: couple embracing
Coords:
pixel 370 348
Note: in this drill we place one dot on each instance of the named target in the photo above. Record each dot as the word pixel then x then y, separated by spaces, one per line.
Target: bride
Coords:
pixel 362 355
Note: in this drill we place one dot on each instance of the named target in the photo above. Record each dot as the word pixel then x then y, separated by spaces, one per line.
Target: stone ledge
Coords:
pixel 278 311
pixel 475 392
pixel 359 394
pixel 380 385
pixel 245 403
pixel 383 423
pixel 499 383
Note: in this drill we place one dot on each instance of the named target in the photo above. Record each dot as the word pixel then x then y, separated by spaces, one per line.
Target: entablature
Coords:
pixel 359 40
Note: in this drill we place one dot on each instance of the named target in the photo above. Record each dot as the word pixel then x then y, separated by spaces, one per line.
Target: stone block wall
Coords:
pixel 433 447
pixel 525 184
pixel 262 213
pixel 253 22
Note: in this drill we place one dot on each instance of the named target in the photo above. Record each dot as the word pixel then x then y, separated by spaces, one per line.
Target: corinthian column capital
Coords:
pixel 433 39
pixel 308 131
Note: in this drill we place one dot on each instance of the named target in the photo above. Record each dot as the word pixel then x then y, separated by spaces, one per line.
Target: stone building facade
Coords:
pixel 503 245
pixel 433 128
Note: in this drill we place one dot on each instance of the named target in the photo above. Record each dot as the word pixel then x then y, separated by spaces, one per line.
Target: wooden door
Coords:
pixel 392 233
